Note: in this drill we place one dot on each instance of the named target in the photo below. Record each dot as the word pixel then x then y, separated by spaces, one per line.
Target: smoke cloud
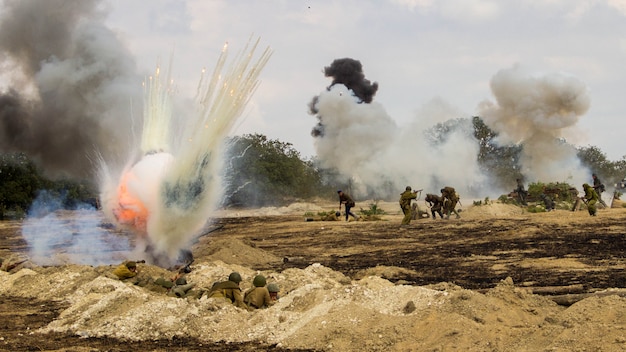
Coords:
pixel 71 84
pixel 539 111
pixel 357 137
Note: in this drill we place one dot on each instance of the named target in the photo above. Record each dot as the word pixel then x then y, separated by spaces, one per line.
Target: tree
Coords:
pixel 260 171
pixel 596 161
pixel 19 182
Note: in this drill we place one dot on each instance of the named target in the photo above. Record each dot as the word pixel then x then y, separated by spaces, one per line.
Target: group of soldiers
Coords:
pixel 444 204
pixel 260 295
pixel 593 195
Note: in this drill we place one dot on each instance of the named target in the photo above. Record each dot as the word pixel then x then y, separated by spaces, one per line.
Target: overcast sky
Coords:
pixel 422 53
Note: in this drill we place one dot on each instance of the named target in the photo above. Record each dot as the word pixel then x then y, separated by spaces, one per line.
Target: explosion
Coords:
pixel 538 111
pixel 171 182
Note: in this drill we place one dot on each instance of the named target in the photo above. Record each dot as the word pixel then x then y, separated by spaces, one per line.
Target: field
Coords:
pixel 498 279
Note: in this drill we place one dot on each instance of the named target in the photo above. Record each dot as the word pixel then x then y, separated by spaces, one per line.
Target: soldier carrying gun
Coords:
pixel 405 203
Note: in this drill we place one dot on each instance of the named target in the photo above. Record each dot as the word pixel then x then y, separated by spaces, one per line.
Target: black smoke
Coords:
pixel 71 84
pixel 348 72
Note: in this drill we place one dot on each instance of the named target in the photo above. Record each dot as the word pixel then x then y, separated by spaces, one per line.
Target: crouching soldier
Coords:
pixel 273 290
pixel 126 270
pixel 229 289
pixel 183 289
pixel 258 296
pixel 436 204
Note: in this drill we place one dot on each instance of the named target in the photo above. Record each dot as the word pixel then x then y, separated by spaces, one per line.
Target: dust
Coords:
pixel 323 309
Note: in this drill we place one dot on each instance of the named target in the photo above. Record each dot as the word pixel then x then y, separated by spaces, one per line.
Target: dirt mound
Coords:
pixel 322 309
pixel 350 291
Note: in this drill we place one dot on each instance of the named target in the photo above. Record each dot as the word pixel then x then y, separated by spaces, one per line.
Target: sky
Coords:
pixel 536 71
pixel 421 53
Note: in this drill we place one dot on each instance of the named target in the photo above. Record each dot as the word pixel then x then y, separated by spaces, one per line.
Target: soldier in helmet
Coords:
pixel 126 270
pixel 591 197
pixel 229 289
pixel 598 186
pixel 405 204
pixel 273 289
pixel 258 296
pixel 450 199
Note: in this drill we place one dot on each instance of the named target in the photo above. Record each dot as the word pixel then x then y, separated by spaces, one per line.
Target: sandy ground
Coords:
pixel 331 309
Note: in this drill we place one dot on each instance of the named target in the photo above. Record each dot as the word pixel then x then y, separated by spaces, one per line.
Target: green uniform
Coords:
pixel 450 199
pixel 229 290
pixel 122 272
pixel 258 297
pixel 592 198
pixel 405 204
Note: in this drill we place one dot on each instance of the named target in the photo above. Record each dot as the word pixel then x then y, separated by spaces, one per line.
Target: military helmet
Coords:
pixel 408 188
pixel 131 265
pixel 259 281
pixel 273 287
pixel 234 277
pixel 181 281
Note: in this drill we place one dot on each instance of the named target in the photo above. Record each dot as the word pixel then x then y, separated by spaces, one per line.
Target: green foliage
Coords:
pixel 373 210
pixel 536 208
pixel 21 182
pixel 595 160
pixel 500 162
pixel 479 202
pixel 261 171
pixel 558 191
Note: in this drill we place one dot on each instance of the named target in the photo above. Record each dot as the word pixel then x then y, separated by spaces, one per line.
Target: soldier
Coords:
pixel 435 203
pixel 450 199
pixel 258 296
pixel 273 290
pixel 591 198
pixel 547 201
pixel 598 186
pixel 348 203
pixel 229 290
pixel 182 288
pixel 521 192
pixel 126 270
pixel 405 204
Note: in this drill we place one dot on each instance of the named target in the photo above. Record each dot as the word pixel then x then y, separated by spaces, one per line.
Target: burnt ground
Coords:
pixel 535 252
pixel 474 254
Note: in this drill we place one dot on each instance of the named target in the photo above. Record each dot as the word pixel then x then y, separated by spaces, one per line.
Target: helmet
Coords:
pixel 337 213
pixel 408 188
pixel 273 287
pixel 234 277
pixel 181 281
pixel 131 265
pixel 259 281
pixel 339 191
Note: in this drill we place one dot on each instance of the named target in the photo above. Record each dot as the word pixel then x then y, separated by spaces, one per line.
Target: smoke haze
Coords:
pixel 366 147
pixel 539 111
pixel 362 142
pixel 71 84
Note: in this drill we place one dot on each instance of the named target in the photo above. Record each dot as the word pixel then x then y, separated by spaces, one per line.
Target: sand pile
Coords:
pixel 321 308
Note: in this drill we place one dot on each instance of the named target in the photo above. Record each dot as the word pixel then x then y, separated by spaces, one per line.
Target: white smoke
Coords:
pixel 539 112
pixel 170 184
pixel 55 236
pixel 363 143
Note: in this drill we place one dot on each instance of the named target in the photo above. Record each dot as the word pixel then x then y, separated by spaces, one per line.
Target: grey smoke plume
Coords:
pixel 539 112
pixel 71 84
pixel 356 137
